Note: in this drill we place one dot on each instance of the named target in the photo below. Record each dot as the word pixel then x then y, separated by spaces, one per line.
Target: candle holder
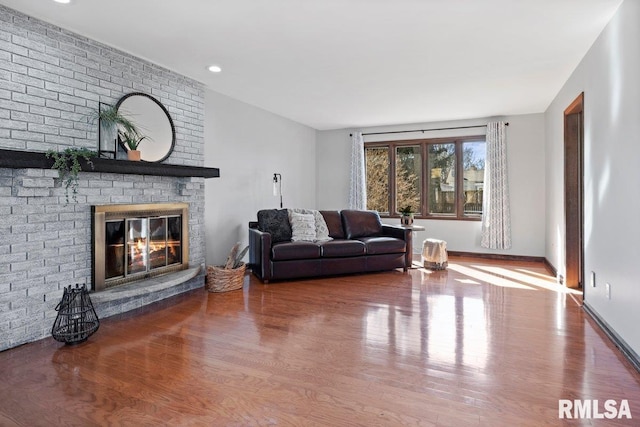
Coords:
pixel 77 319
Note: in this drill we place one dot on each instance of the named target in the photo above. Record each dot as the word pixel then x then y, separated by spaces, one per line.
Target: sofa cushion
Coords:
pixel 303 227
pixel 321 231
pixel 342 248
pixel 294 250
pixel 361 223
pixel 383 245
pixel 334 223
pixel 276 223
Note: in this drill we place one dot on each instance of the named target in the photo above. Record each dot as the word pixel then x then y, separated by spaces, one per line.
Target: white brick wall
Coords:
pixel 50 80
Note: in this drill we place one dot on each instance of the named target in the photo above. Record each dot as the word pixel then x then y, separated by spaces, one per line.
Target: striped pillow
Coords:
pixel 303 227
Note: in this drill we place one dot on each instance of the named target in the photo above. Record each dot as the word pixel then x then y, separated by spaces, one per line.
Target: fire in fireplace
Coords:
pixel 131 242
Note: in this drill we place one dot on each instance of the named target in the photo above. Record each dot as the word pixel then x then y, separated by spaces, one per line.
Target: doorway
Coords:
pixel 573 193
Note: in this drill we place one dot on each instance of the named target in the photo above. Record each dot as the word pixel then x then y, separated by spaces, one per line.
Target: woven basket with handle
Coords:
pixel 220 279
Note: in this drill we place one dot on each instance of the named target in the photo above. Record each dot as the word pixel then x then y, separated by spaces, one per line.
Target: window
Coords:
pixel 438 178
pixel 473 157
pixel 442 178
pixel 377 170
pixel 408 177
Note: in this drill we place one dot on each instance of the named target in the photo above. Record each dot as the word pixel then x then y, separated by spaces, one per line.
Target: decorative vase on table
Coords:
pixel 406 215
pixel 406 219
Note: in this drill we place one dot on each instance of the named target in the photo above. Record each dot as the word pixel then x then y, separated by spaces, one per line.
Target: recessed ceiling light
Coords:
pixel 215 69
pixel 62 1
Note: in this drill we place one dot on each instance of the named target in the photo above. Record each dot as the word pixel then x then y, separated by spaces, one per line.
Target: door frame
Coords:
pixel 574 193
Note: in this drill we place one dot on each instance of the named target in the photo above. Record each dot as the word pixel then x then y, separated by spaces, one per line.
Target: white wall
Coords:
pixel 609 75
pixel 249 145
pixel 525 153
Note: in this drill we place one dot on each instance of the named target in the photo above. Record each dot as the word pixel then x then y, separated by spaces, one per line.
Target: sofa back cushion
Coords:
pixel 334 224
pixel 361 223
pixel 276 223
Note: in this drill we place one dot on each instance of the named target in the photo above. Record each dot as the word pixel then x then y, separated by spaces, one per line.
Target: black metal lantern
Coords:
pixel 77 319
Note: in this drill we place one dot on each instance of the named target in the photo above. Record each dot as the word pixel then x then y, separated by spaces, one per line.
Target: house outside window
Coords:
pixel 425 174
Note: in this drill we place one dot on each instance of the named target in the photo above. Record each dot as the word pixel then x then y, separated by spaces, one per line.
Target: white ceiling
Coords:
pixel 354 63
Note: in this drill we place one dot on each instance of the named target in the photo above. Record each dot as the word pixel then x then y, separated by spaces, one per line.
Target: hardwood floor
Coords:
pixel 479 344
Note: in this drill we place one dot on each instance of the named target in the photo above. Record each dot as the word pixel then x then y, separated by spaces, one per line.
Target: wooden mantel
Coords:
pixel 15 159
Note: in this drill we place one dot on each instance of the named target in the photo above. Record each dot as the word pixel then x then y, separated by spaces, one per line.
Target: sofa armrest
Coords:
pixel 396 231
pixel 259 252
pixel 404 234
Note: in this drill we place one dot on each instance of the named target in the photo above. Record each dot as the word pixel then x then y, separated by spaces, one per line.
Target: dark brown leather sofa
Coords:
pixel 361 243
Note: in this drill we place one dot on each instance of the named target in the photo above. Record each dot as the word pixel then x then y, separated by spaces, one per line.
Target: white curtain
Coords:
pixel 496 216
pixel 358 181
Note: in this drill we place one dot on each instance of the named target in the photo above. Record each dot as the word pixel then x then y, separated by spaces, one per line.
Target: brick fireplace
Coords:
pixel 51 79
pixel 47 244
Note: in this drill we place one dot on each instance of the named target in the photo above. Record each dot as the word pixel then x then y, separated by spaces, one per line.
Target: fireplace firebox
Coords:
pixel 133 242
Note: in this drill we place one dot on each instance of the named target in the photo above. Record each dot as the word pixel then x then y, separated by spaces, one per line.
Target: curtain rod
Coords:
pixel 423 130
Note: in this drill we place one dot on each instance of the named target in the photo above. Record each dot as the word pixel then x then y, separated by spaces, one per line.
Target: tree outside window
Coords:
pixel 442 178
pixel 473 160
pixel 424 174
pixel 377 172
pixel 408 178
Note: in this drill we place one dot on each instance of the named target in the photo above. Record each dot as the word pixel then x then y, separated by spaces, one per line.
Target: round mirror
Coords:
pixel 153 121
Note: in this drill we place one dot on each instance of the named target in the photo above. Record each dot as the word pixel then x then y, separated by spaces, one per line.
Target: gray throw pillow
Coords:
pixel 276 223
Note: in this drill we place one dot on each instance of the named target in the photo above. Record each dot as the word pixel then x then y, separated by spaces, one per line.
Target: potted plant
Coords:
pixel 112 122
pixel 407 215
pixel 131 139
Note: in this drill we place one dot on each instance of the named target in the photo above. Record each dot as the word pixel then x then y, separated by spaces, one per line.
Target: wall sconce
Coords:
pixel 277 186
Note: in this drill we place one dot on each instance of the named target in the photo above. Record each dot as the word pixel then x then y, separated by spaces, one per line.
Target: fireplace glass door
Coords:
pixel 174 240
pixel 157 242
pixel 135 242
pixel 140 245
pixel 114 251
pixel 137 245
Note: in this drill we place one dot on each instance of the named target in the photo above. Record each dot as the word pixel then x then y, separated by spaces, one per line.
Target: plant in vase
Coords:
pixel 407 215
pixel 112 121
pixel 131 139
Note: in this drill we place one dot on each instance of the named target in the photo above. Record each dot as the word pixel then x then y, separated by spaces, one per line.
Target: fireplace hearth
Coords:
pixel 134 242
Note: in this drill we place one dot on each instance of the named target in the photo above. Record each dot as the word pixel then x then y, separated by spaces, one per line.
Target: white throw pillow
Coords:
pixel 303 227
pixel 322 231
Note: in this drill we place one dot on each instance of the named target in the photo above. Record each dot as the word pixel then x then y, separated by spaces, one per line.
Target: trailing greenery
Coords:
pixel 67 163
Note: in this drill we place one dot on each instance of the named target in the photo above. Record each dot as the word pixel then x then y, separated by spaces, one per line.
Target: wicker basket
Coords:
pixel 220 279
